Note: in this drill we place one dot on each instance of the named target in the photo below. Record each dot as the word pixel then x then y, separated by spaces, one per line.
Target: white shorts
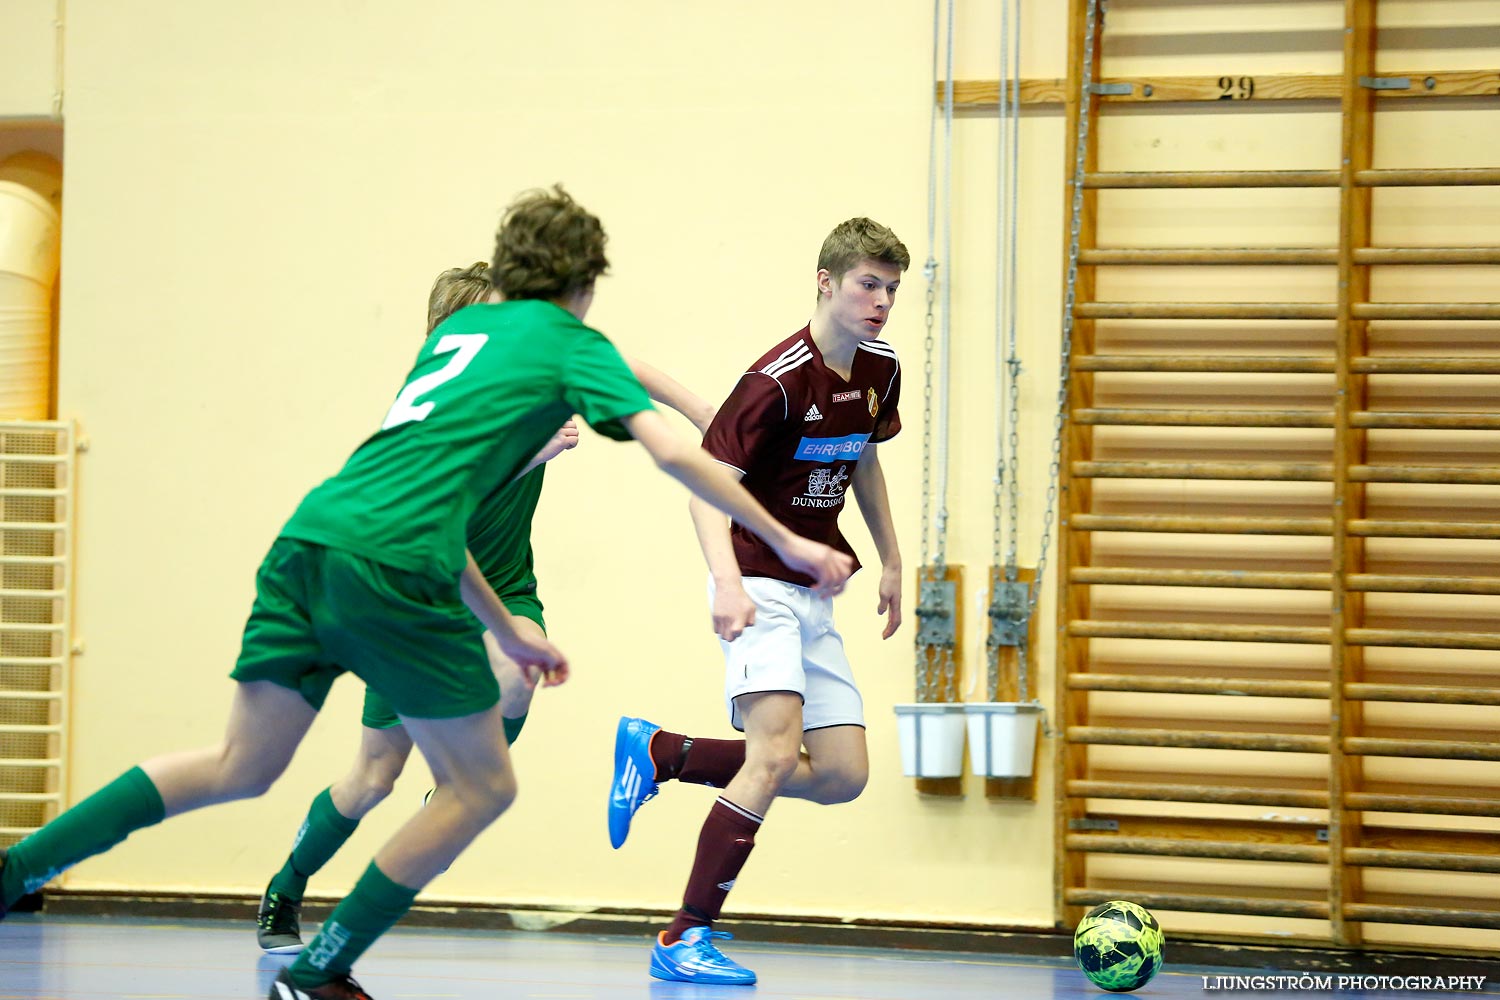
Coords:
pixel 792 646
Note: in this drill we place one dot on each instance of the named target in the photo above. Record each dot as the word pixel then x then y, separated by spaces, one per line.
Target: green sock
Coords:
pixel 125 805
pixel 322 834
pixel 370 909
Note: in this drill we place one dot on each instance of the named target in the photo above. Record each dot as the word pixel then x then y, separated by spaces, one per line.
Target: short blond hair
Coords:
pixel 857 240
pixel 455 288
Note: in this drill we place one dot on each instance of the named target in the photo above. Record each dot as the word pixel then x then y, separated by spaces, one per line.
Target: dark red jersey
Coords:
pixel 796 430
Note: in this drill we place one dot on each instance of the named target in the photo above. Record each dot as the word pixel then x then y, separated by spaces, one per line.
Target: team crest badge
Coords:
pixel 874 402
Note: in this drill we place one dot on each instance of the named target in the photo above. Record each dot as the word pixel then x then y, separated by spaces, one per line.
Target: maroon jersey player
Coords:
pixel 800 429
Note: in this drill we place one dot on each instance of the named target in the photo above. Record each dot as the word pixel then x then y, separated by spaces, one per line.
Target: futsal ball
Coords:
pixel 1118 946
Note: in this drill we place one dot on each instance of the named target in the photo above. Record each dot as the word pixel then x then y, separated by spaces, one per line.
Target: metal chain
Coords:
pixel 940 559
pixel 1007 426
pixel 1013 356
pixel 929 271
pixel 926 688
pixel 1096 11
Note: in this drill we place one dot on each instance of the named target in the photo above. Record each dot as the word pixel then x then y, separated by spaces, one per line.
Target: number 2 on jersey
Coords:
pixel 464 347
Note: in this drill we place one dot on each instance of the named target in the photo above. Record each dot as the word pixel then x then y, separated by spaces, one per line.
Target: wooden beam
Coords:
pixel 1215 179
pixel 1216 363
pixel 1141 417
pixel 1200 525
pixel 1346 718
pixel 1094 629
pixel 1281 472
pixel 1247 904
pixel 1214 256
pixel 1124 576
pixel 984 95
pixel 1080 115
pixel 1434 916
pixel 1423 694
pixel 1120 736
pixel 1369 746
pixel 1295 798
pixel 1206 310
pixel 1238 686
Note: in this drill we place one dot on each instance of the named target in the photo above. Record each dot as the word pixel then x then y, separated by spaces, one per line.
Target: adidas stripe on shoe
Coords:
pixel 634 781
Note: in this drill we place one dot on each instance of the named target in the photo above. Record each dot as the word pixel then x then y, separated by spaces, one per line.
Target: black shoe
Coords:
pixel 340 988
pixel 278 925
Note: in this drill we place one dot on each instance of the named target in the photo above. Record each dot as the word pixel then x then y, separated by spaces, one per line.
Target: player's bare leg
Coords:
pixel 515 693
pixel 266 723
pixel 379 762
pixel 834 769
pixel 773 746
pixel 331 820
pixel 469 758
pixel 475 784
pixel 773 742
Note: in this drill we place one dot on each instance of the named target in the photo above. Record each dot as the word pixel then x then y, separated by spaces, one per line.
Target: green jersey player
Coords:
pixel 499 539
pixel 371 575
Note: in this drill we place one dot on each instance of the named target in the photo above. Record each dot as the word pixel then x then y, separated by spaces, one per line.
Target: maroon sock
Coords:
pixel 666 753
pixel 696 761
pixel 712 762
pixel 726 841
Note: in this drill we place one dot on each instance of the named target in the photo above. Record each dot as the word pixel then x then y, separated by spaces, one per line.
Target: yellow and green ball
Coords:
pixel 1118 945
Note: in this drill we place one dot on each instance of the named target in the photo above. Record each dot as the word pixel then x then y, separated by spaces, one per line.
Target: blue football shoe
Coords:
pixel 635 776
pixel 694 959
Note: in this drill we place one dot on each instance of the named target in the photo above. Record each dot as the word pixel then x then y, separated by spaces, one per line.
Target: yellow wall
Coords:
pixel 28 58
pixel 258 201
pixel 259 196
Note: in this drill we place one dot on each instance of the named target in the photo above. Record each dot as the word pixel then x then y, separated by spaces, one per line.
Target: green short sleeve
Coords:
pixel 600 387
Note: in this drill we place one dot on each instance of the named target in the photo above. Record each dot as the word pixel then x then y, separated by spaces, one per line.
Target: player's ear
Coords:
pixel 825 283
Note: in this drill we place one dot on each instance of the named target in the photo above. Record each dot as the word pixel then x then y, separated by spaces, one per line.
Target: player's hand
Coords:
pixel 733 611
pixel 538 660
pixel 829 569
pixel 565 438
pixel 890 599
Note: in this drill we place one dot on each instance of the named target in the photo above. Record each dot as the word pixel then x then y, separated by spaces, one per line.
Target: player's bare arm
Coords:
pixel 733 610
pixel 691 466
pixel 565 438
pixel 666 390
pixel 537 658
pixel 868 484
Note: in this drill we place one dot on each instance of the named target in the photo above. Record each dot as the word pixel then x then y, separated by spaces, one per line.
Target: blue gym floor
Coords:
pixel 83 958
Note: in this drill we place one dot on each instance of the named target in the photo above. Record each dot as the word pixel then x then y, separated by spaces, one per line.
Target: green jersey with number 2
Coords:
pixel 491 384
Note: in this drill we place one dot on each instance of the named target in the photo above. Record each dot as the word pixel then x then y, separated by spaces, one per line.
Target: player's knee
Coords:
pixel 844 785
pixel 516 702
pixel 245 777
pixel 487 798
pixel 377 777
pixel 774 767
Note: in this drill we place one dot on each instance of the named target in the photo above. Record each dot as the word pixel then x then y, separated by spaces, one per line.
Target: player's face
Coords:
pixel 861 301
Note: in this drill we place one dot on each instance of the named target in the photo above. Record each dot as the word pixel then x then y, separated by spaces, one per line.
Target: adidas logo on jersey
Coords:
pixel 812 413
pixel 726 886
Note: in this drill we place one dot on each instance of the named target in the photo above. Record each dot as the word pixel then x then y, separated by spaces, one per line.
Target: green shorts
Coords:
pixel 378 713
pixel 320 611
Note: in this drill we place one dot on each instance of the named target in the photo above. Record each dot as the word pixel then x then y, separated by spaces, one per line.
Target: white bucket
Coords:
pixel 1002 737
pixel 28 268
pixel 932 739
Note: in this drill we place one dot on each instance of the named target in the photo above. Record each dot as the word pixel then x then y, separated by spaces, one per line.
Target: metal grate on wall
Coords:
pixel 36 534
